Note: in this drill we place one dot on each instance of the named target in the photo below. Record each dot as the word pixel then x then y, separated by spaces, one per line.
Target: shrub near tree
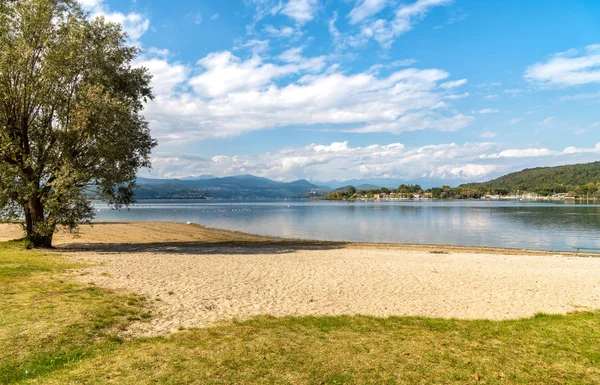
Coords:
pixel 70 115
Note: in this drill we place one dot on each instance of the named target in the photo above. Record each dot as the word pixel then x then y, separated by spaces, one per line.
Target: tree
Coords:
pixel 70 115
pixel 351 191
pixel 590 188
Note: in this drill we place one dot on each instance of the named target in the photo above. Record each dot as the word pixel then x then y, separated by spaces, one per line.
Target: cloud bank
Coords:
pixel 450 162
pixel 225 95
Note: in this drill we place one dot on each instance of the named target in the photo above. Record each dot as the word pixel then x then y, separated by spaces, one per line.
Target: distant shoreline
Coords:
pixel 502 199
pixel 595 200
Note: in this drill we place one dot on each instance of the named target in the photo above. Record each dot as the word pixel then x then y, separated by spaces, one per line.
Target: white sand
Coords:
pixel 202 283
pixel 198 289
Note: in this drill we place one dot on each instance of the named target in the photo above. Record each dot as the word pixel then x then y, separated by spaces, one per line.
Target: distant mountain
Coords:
pixel 367 187
pixel 545 179
pixel 581 179
pixel 199 177
pixel 232 187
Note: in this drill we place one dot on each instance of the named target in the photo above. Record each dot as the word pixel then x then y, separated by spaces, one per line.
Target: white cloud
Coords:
pixel 333 31
pixel 89 4
pixel 486 111
pixel 467 171
pixel 339 160
pixel 302 11
pixel 419 121
pixel 165 77
pixel 283 32
pixel 383 30
pixel 215 16
pixel 225 73
pixel 263 8
pixel 488 85
pixel 457 96
pixel 292 55
pixel 542 152
pixel 488 135
pixel 458 18
pixel 364 9
pixel 395 64
pixel 520 153
pixel 256 46
pixel 574 67
pixel 153 51
pixel 576 150
pixel 225 95
pixel 386 31
pixel 453 84
pixel 589 95
pixel 134 24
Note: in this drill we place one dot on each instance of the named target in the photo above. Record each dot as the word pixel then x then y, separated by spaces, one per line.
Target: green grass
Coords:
pixel 54 331
pixel 47 321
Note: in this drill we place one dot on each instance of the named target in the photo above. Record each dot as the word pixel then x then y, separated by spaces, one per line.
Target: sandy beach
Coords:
pixel 197 276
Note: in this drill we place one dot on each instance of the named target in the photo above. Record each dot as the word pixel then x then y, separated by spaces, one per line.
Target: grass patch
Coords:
pixel 48 321
pixel 358 350
pixel 55 331
pixel 17 262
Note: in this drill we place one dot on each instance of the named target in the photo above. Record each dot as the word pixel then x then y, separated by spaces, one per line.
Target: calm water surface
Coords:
pixel 469 223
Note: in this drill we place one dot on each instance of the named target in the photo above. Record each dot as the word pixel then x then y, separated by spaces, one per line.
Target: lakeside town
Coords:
pixel 415 193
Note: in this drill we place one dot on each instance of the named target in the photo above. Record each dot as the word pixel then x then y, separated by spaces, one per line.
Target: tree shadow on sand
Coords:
pixel 210 247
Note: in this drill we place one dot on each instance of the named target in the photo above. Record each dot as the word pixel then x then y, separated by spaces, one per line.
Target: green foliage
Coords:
pixel 460 192
pixel 405 191
pixel 409 189
pixel 578 179
pixel 337 195
pixel 70 115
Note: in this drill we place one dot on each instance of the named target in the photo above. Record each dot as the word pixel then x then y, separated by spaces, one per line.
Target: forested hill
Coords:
pixel 577 178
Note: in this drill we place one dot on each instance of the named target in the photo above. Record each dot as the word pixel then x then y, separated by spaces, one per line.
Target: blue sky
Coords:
pixel 445 90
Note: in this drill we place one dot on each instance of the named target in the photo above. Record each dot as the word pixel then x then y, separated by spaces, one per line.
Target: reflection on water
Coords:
pixel 471 223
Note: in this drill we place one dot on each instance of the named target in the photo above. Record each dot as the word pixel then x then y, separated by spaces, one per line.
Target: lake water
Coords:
pixel 541 226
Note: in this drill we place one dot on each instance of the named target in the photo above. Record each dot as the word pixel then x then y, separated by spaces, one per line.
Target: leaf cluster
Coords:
pixel 70 112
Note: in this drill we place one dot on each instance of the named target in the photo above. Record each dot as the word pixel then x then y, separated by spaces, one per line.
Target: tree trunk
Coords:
pixel 38 231
pixel 41 241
